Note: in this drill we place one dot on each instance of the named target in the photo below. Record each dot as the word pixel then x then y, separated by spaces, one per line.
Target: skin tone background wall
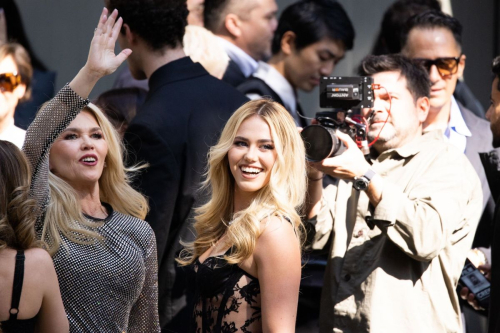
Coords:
pixel 60 32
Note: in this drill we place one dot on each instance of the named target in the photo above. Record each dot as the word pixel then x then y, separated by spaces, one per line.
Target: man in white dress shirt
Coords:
pixel 311 38
pixel 15 83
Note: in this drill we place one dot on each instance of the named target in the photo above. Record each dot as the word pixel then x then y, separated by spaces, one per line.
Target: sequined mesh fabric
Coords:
pixel 110 285
pixel 227 298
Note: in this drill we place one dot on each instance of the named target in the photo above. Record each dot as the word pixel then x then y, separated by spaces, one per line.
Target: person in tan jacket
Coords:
pixel 400 227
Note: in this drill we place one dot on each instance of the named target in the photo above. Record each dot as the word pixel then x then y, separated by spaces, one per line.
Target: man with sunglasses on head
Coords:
pixel 434 40
pixel 15 83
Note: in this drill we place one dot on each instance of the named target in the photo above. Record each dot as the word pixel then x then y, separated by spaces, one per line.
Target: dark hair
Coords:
pixel 23 63
pixel 395 19
pixel 431 19
pixel 213 10
pixel 417 78
pixel 120 105
pixel 17 209
pixel 495 67
pixel 311 21
pixel 160 23
pixel 15 31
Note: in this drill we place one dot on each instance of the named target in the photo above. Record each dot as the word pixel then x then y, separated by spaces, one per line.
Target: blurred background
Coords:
pixel 60 32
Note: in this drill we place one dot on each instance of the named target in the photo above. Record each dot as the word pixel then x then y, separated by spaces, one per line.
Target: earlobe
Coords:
pixel 232 25
pixel 461 65
pixel 288 42
pixel 423 106
pixel 129 35
pixel 20 91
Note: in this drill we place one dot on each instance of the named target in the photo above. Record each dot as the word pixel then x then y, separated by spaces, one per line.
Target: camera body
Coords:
pixel 342 94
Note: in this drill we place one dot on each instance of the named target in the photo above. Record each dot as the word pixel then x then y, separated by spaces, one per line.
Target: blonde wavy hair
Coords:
pixel 64 214
pixel 283 196
pixel 17 209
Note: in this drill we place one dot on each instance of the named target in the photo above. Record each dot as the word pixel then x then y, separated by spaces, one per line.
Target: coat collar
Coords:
pixel 177 70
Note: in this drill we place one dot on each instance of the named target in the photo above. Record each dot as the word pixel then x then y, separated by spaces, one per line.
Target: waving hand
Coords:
pixel 102 59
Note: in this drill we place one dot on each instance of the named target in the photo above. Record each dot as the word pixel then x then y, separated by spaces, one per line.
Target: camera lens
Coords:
pixel 321 142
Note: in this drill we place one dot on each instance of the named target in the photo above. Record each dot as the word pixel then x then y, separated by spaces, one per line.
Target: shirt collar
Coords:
pixel 278 84
pixel 457 122
pixel 414 147
pixel 246 63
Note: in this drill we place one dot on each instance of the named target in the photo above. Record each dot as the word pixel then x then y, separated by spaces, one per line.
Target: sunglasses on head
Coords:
pixel 9 81
pixel 445 66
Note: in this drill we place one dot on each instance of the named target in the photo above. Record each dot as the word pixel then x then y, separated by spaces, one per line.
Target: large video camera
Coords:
pixel 342 94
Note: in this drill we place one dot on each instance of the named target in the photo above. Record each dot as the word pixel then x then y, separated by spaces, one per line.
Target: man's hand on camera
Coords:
pixel 351 163
pixel 465 294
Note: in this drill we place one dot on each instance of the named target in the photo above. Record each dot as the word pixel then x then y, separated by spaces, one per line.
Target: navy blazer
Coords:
pixel 233 74
pixel 183 115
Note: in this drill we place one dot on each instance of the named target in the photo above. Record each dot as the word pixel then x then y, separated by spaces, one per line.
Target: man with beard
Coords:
pixel 401 226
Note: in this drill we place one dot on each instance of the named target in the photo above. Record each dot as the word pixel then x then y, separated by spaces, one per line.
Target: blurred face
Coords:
pixel 257 29
pixel 304 68
pixel 404 123
pixel 9 99
pixel 431 44
pixel 493 113
pixel 78 154
pixel 251 157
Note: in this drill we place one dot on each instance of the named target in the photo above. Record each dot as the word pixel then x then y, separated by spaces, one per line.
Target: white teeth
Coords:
pixel 88 159
pixel 251 170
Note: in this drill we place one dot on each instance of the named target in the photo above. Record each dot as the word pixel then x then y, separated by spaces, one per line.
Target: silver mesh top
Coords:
pixel 112 284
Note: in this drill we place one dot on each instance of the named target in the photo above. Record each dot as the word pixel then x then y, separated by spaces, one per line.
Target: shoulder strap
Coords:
pixel 255 85
pixel 18 285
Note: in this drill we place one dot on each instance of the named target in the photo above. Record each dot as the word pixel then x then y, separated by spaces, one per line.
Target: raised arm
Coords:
pixel 55 116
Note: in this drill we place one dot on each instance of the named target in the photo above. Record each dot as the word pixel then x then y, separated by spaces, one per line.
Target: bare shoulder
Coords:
pixel 39 260
pixel 277 235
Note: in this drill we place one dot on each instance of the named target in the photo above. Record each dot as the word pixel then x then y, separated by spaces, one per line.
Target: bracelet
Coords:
pixel 316 179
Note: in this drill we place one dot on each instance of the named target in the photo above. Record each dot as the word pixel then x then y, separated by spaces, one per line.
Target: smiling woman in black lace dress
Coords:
pixel 246 255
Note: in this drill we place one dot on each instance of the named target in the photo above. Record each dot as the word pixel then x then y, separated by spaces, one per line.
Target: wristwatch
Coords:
pixel 361 183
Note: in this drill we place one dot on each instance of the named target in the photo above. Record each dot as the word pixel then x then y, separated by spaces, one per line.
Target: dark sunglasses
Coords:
pixel 445 66
pixel 9 81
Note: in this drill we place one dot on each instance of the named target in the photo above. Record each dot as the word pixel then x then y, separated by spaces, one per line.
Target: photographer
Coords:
pixel 401 231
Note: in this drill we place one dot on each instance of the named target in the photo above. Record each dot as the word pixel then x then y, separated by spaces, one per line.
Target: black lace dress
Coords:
pixel 227 299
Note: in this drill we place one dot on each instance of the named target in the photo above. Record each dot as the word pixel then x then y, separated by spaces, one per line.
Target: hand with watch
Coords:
pixel 361 183
pixel 351 165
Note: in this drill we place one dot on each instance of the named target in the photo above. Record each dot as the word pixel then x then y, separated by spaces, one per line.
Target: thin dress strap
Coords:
pixel 18 285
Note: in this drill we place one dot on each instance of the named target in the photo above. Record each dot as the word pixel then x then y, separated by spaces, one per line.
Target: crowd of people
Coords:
pixel 182 200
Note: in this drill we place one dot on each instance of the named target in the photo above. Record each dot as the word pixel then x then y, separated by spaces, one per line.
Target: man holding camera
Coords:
pixel 400 228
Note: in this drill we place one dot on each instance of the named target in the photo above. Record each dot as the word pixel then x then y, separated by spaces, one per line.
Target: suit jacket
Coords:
pixel 233 74
pixel 184 112
pixel 491 163
pixel 480 141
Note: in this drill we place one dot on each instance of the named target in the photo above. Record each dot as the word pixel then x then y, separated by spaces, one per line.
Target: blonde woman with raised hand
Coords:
pixel 246 256
pixel 103 253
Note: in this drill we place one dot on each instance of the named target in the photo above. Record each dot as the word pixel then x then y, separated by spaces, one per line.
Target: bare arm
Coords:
pixel 277 256
pixel 52 317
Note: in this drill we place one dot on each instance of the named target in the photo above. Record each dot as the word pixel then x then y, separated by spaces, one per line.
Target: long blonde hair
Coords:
pixel 64 213
pixel 17 209
pixel 283 196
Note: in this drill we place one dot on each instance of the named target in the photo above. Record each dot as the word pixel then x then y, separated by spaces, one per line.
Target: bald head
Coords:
pixel 248 24
pixel 215 12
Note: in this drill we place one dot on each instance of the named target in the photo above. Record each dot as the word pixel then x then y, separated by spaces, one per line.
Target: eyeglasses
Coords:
pixel 9 81
pixel 445 66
